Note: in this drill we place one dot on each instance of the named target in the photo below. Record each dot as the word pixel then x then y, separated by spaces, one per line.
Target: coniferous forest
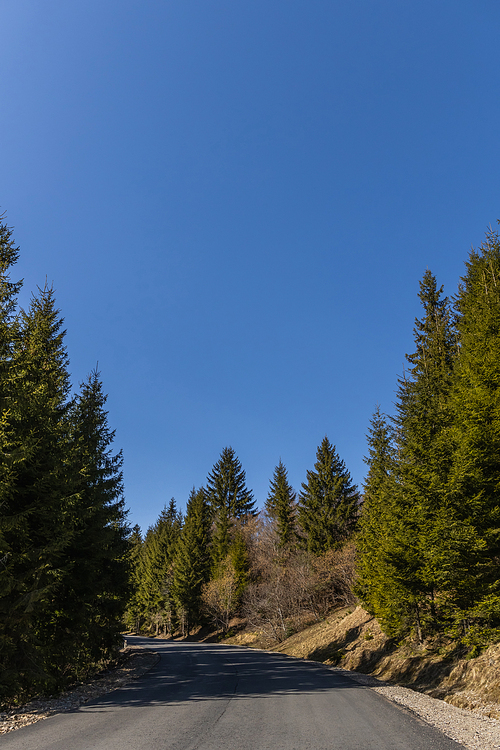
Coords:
pixel 419 547
pixel 64 561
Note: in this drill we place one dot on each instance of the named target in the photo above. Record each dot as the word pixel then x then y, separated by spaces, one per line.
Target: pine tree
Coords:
pixel 134 613
pixel 423 397
pixel 328 507
pixel 375 522
pixel 44 490
pixel 157 569
pixel 96 589
pixel 192 560
pixel 226 488
pixel 475 476
pixel 220 541
pixel 281 506
pixel 420 539
pixel 12 454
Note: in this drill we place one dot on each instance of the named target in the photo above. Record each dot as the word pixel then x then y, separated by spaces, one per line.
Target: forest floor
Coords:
pixel 350 638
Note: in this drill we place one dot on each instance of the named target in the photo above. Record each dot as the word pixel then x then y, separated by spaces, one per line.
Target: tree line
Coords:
pixel 223 557
pixel 63 532
pixel 429 542
pixel 420 548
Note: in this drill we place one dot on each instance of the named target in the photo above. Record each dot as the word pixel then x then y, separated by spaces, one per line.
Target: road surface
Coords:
pixel 216 697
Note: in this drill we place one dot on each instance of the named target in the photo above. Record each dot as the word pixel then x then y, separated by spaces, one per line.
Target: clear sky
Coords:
pixel 235 202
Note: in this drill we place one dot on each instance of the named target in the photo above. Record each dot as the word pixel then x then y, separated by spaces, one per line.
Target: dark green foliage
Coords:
pixel 475 475
pixel 95 590
pixel 376 520
pixel 12 454
pixel 281 506
pixel 423 410
pixel 63 546
pixel 429 542
pixel 192 560
pixel 133 615
pixel 229 499
pixel 40 509
pixel 221 537
pixel 241 564
pixel 407 532
pixel 329 502
pixel 226 488
pixel 424 458
pixel 154 588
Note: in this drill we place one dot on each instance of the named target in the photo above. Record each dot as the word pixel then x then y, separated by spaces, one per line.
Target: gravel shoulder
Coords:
pixel 471 729
pixel 462 701
pixel 136 662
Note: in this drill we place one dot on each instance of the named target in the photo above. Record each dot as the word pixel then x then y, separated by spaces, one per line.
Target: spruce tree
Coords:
pixel 192 560
pixel 420 539
pixel 12 454
pixel 281 506
pixel 474 479
pixel 220 541
pixel 96 589
pixel 226 487
pixel 329 502
pixel 44 491
pixel 134 613
pixel 376 520
pixel 423 413
pixel 157 568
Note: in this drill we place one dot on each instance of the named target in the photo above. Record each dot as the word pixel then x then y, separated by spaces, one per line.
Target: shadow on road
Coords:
pixel 200 671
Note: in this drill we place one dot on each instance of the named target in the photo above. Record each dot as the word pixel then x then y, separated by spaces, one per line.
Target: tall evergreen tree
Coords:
pixel 44 488
pixel 96 589
pixel 329 502
pixel 192 560
pixel 423 413
pixel 220 541
pixel 281 506
pixel 226 487
pixel 475 476
pixel 134 613
pixel 155 589
pixel 12 453
pixel 420 540
pixel 376 521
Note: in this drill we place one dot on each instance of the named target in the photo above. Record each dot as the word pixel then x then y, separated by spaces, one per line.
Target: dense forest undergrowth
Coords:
pixel 418 548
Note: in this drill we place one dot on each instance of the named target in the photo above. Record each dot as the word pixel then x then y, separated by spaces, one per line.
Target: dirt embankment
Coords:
pixel 354 640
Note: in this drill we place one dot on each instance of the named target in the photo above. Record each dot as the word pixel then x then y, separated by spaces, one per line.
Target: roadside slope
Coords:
pixel 354 640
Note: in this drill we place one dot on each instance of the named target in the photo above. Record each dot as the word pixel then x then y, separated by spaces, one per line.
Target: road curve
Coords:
pixel 216 697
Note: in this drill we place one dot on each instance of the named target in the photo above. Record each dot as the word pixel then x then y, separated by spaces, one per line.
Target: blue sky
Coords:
pixel 235 202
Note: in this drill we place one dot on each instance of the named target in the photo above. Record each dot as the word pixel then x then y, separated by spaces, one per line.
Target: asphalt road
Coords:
pixel 216 697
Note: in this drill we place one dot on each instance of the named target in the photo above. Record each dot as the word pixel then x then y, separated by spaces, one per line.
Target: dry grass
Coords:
pixel 352 639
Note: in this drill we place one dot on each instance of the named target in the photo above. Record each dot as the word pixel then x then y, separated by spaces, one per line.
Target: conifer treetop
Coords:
pixel 226 487
pixel 281 505
pixel 328 507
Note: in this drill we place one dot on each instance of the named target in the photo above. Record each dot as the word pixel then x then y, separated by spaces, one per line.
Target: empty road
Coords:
pixel 216 697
